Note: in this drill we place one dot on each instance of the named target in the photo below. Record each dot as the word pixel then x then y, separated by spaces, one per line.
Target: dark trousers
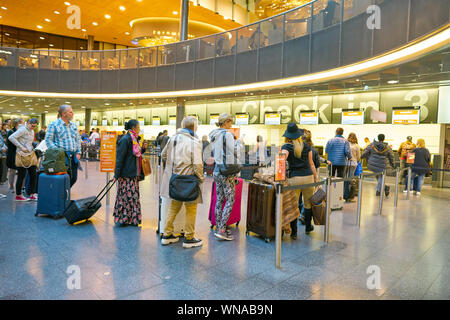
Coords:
pixel 21 176
pixel 339 170
pixel 73 174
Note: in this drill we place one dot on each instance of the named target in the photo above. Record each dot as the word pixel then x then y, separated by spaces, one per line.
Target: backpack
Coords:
pixel 55 161
pixel 407 148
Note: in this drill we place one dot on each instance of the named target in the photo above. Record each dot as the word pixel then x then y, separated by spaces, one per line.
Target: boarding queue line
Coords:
pixel 157 172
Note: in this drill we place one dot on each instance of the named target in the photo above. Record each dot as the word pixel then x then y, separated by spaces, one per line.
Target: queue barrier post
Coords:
pixel 278 196
pixel 408 183
pixel 358 214
pixel 397 178
pixel 107 193
pixel 383 184
pixel 328 211
pixel 86 168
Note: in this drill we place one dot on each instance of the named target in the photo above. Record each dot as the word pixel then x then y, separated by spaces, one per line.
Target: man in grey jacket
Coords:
pixel 378 153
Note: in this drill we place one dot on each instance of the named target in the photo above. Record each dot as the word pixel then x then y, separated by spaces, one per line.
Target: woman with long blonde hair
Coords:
pixel 421 165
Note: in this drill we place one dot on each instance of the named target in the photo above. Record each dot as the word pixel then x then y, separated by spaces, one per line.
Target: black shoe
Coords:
pixel 302 220
pixel 378 193
pixel 310 229
pixel 169 239
pixel 386 190
pixel 293 236
pixel 194 242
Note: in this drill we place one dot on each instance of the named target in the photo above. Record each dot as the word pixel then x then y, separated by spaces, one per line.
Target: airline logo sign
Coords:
pixel 405 116
pixel 108 151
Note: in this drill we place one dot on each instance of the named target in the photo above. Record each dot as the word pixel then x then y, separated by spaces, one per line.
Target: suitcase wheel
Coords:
pixel 267 240
pixel 212 226
pixel 247 233
pixel 237 223
pixel 36 214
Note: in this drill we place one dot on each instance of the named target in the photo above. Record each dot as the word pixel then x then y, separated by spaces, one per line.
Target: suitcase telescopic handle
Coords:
pixel 102 193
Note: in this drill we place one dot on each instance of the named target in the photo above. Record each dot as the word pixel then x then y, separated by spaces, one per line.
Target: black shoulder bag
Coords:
pixel 184 188
pixel 228 169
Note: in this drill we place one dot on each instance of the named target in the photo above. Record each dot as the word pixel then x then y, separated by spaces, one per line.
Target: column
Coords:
pixel 184 20
pixel 87 120
pixel 180 111
pixel 43 120
pixel 90 45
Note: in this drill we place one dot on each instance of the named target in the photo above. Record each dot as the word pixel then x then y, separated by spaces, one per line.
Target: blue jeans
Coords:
pixel 418 180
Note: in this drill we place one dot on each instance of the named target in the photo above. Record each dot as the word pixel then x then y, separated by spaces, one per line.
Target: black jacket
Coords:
pixel 378 155
pixel 11 153
pixel 422 159
pixel 126 164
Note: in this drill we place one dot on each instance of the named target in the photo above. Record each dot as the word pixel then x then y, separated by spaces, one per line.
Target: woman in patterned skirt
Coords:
pixel 127 209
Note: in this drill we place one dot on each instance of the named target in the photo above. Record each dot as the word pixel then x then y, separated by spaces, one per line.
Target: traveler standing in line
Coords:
pixel 223 140
pixel 338 151
pixel 317 159
pixel 40 136
pixel 95 136
pixel 23 140
pixel 367 142
pixel 378 153
pixel 183 156
pixel 261 151
pixel 421 165
pixel 405 148
pixel 301 171
pixel 11 153
pixel 205 142
pixel 3 150
pixel 356 157
pixel 164 139
pixel 63 133
pixel 127 208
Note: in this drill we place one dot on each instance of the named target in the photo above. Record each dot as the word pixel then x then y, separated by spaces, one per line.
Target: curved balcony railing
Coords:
pixel 320 35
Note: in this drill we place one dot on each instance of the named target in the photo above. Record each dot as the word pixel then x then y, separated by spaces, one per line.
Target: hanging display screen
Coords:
pixel 156 121
pixel 213 118
pixel 308 117
pixel 242 119
pixel 172 120
pixel 272 118
pixel 352 117
pixel 406 115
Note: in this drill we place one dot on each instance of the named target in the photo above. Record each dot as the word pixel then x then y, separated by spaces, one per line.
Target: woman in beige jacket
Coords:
pixel 355 150
pixel 184 159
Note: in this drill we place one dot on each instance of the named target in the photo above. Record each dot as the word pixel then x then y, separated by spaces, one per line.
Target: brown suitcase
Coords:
pixel 261 210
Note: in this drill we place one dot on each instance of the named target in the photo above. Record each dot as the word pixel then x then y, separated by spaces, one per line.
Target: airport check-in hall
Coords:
pixel 225 150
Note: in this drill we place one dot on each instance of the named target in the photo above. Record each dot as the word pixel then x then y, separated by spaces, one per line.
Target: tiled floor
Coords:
pixel 410 244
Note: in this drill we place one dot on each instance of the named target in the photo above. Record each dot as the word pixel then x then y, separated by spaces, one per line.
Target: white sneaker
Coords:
pixel 2 195
pixel 417 193
pixel 405 191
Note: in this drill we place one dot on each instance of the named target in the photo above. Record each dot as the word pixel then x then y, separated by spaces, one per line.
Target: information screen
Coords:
pixel 115 122
pixel 141 121
pixel 213 118
pixel 242 119
pixel 94 122
pixel 172 120
pixel 156 121
pixel 104 122
pixel 272 118
pixel 308 117
pixel 352 117
pixel 405 115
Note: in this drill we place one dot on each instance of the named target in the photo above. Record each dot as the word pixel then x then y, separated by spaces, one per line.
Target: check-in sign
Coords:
pixel 108 151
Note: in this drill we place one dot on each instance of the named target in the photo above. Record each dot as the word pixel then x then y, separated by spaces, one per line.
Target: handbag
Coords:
pixel 319 214
pixel 184 188
pixel 410 157
pixel 318 196
pixel 26 161
pixel 146 167
pixel 228 169
pixel 359 169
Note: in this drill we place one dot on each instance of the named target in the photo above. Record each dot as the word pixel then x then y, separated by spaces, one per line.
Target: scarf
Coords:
pixel 136 151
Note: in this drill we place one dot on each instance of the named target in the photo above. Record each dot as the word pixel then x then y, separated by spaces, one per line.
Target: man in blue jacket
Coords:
pixel 338 151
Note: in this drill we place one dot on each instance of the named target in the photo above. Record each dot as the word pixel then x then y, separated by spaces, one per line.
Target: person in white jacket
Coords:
pixel 23 139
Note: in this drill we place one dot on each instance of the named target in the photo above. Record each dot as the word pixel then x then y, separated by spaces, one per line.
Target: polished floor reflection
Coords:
pixel 410 245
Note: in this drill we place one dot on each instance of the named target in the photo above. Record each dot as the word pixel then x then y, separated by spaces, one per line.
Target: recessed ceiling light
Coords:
pixel 84 30
pixel 107 16
pixel 392 81
pixel 122 8
pixel 39 27
pixel 7 34
pixel 50 45
pixel 139 0
pixel 47 20
pixel 83 107
pixel 4 8
pixel 67 3
pixel 56 12
pixel 127 33
pixel 175 12
pixel 95 23
pixel 42 38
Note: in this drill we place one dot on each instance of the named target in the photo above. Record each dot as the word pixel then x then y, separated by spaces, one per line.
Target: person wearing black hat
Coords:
pixel 301 171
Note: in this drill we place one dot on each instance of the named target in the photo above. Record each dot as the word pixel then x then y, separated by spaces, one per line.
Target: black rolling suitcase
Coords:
pixel 83 209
